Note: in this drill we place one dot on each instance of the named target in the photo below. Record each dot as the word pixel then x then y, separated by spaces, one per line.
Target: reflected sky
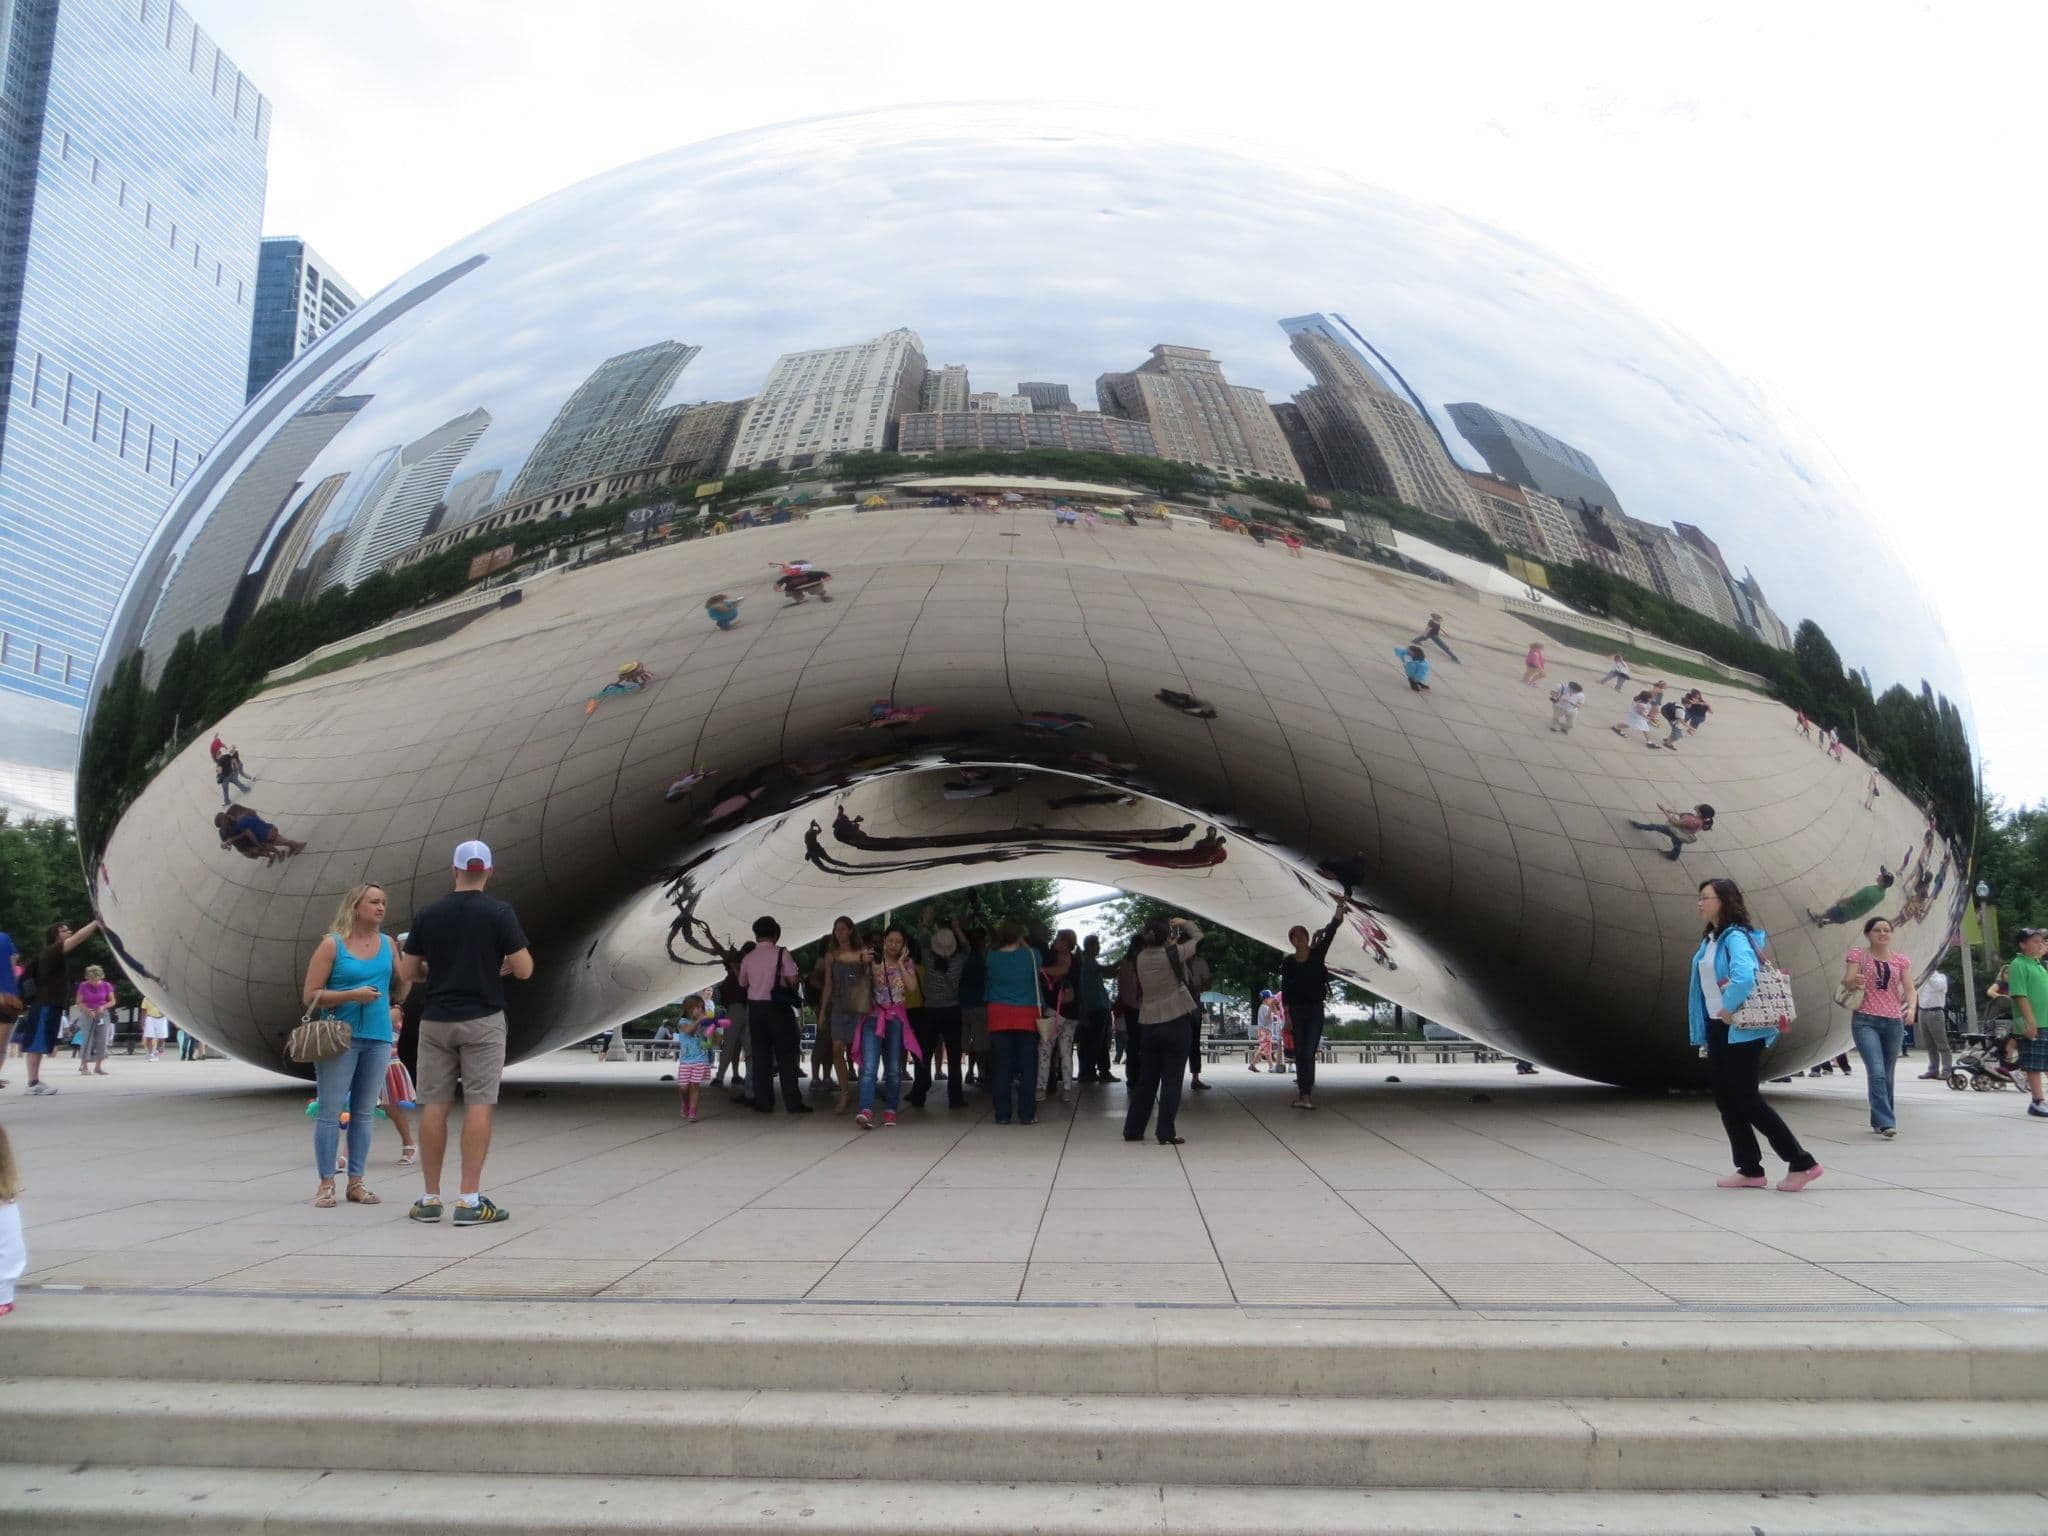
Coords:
pixel 1036 244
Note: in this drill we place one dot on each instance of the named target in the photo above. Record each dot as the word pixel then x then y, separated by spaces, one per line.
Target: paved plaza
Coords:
pixel 1459 1188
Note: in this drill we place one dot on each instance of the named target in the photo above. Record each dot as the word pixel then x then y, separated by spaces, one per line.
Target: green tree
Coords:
pixel 43 882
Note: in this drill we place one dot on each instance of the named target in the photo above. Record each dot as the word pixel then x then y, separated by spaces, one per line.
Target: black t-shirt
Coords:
pixel 464 937
pixel 49 970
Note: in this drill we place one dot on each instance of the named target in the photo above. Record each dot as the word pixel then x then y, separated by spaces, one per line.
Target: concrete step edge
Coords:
pixel 1390 1442
pixel 566 1345
pixel 62 1499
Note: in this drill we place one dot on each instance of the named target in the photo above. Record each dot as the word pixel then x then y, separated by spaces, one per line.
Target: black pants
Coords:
pixel 774 1047
pixel 1161 1052
pixel 933 1025
pixel 1308 1039
pixel 1733 1069
pixel 1093 1039
pixel 1195 1046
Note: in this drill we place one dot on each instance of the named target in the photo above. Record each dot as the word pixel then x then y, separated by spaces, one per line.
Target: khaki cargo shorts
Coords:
pixel 471 1049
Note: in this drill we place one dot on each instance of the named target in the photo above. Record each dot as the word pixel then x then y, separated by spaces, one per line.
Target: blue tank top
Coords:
pixel 367 1021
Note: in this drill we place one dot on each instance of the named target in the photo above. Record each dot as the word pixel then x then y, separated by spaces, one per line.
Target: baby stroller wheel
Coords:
pixel 1980 1084
pixel 1959 1080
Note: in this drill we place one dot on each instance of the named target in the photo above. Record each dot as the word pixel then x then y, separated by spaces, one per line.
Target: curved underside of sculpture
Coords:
pixel 658 540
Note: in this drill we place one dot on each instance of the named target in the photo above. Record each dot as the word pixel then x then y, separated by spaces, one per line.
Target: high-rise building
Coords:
pixel 944 389
pixel 1373 440
pixel 1530 456
pixel 388 519
pixel 1047 397
pixel 298 300
pixel 835 400
pixel 250 514
pixel 468 499
pixel 1004 405
pixel 1526 520
pixel 1610 545
pixel 1013 432
pixel 1199 417
pixel 131 206
pixel 1308 453
pixel 1772 629
pixel 605 420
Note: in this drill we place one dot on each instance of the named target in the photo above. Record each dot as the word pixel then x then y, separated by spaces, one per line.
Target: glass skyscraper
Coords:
pixel 298 300
pixel 131 207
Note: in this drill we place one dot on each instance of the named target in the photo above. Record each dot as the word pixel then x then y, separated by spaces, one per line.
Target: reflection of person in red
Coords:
pixel 800 578
pixel 1210 850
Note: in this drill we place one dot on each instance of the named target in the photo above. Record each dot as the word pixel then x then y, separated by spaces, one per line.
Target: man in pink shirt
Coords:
pixel 769 976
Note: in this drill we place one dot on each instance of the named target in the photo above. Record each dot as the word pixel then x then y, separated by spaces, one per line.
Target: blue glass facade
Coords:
pixel 133 170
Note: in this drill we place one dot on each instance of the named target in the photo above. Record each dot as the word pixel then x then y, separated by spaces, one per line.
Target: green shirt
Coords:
pixel 2028 979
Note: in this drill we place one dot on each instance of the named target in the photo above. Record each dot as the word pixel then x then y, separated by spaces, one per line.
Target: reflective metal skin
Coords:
pixel 667 728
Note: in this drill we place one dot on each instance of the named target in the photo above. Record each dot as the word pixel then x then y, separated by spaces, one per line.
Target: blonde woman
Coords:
pixel 354 971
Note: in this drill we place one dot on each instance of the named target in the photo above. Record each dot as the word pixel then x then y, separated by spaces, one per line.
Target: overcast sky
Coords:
pixel 1832 199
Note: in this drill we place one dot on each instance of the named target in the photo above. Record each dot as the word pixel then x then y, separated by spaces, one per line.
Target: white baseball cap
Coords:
pixel 473 856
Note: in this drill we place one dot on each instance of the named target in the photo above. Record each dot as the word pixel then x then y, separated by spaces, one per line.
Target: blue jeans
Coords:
pixel 1013 1064
pixel 349 1081
pixel 873 1048
pixel 1878 1042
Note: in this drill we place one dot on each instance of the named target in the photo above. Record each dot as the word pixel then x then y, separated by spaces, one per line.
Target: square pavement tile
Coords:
pixel 1366 1285
pixel 523 1277
pixel 1883 1247
pixel 1543 1285
pixel 719 1280
pixel 755 1233
pixel 1992 1283
pixel 880 1280
pixel 1705 1245
pixel 336 1273
pixel 133 1269
pixel 1134 1284
pixel 1485 1246
pixel 1751 1285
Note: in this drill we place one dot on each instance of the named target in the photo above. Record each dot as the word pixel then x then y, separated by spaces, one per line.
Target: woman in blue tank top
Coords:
pixel 353 973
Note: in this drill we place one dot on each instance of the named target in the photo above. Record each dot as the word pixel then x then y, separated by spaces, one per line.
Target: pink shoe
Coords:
pixel 1792 1183
pixel 888 1118
pixel 864 1120
pixel 1742 1181
pixel 693 1117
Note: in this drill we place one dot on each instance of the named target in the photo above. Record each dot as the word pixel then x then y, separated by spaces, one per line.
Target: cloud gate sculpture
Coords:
pixel 829 517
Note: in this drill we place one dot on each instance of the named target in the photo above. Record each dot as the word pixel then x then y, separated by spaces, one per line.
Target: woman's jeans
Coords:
pixel 875 1046
pixel 349 1081
pixel 1733 1071
pixel 1878 1042
pixel 1162 1055
pixel 1013 1056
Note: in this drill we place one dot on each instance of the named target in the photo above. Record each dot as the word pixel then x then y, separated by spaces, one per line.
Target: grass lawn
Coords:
pixel 1638 658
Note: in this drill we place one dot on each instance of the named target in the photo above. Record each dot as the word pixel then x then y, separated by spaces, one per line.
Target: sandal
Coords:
pixel 358 1195
pixel 323 1198
pixel 408 1156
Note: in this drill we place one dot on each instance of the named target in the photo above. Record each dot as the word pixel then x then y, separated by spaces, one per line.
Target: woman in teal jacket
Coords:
pixel 1723 972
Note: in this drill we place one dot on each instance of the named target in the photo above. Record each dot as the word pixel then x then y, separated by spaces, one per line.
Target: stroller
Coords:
pixel 1994 1066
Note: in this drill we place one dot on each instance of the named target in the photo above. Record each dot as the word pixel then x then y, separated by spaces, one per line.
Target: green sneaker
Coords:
pixel 485 1210
pixel 425 1210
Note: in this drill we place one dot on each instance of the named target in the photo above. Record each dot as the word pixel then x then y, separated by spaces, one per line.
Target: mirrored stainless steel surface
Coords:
pixel 640 536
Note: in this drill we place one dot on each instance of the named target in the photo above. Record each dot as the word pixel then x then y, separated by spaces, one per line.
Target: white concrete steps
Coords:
pixel 1035 1350
pixel 1537 1443
pixel 67 1500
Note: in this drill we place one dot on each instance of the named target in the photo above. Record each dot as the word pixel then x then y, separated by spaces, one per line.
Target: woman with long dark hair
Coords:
pixel 1724 970
pixel 1874 978
pixel 846 996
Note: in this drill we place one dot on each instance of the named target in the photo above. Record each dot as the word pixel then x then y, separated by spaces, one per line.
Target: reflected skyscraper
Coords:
pixel 1372 439
pixel 598 423
pixel 1198 416
pixel 1532 457
pixel 833 400
pixel 389 521
pixel 254 510
pixel 1047 397
pixel 945 389
pixel 298 300
pixel 131 193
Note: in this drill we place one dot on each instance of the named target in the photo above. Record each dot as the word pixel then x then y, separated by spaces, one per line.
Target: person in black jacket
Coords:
pixel 1304 986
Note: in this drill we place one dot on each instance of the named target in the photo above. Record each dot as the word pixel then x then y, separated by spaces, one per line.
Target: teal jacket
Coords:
pixel 1737 953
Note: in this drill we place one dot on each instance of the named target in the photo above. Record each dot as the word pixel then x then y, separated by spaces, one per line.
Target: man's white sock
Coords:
pixel 469 1199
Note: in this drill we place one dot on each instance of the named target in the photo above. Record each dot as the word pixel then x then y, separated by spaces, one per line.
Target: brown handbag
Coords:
pixel 319 1037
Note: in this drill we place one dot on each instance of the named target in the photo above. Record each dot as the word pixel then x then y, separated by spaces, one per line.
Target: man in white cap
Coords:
pixel 460 949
